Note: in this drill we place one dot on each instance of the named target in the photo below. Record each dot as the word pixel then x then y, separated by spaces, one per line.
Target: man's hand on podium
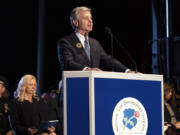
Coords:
pixel 93 69
pixel 134 72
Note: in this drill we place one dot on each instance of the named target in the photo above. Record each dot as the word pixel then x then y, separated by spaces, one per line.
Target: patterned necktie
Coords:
pixel 87 48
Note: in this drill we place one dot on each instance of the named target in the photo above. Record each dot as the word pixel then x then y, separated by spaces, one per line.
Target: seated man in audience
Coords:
pixel 4 109
pixel 54 110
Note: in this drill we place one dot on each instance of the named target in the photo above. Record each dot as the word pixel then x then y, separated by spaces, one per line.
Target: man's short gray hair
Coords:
pixel 75 12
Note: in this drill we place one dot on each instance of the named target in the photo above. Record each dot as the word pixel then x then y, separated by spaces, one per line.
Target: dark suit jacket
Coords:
pixel 72 55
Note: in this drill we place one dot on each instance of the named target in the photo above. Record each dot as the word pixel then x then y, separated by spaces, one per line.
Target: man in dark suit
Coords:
pixel 78 51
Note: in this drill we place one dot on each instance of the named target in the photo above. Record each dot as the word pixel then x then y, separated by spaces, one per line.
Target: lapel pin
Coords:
pixel 79 45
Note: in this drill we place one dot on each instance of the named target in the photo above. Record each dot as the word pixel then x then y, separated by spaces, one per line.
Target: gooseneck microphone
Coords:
pixel 108 30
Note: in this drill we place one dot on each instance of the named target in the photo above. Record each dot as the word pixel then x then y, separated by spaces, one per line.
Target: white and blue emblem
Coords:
pixel 129 117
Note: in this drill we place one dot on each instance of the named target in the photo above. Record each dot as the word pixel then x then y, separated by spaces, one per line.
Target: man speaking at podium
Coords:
pixel 78 51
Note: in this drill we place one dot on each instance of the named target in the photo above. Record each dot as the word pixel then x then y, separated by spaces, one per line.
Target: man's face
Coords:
pixel 2 89
pixel 84 22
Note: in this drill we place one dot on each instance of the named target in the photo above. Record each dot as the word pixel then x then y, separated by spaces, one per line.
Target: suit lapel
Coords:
pixel 76 41
pixel 92 51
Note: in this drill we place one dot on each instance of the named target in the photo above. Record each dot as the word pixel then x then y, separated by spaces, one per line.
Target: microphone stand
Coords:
pixel 114 37
pixel 126 53
pixel 112 49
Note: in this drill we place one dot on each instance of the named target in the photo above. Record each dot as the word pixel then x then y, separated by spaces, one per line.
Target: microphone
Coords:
pixel 108 30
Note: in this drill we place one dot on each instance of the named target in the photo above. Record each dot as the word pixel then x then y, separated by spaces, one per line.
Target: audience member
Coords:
pixel 46 97
pixel 54 110
pixel 4 109
pixel 6 94
pixel 171 115
pixel 28 109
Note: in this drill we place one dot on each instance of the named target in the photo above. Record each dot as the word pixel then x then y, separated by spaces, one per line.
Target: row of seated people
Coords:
pixel 27 110
pixel 22 115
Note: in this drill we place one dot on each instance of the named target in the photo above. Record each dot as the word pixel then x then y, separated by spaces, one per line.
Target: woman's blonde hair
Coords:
pixel 22 87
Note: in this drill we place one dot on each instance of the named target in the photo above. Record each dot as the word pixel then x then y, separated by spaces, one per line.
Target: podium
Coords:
pixel 111 103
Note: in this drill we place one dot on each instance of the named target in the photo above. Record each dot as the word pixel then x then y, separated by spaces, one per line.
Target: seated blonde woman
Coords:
pixel 28 110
